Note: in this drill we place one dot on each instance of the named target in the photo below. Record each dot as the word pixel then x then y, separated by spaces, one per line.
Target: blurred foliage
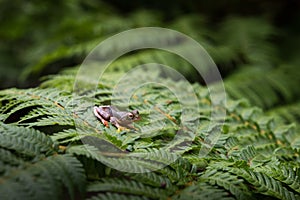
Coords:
pixel 36 36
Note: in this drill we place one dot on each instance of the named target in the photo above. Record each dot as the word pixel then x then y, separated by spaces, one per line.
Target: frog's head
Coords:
pixel 133 115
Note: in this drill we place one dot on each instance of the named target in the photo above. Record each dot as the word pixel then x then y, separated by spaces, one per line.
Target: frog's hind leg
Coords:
pixel 96 113
pixel 114 122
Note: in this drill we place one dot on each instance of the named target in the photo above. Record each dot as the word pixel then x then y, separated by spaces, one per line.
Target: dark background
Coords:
pixel 33 30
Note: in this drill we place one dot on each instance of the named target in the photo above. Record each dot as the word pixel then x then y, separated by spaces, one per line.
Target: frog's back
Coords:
pixel 115 112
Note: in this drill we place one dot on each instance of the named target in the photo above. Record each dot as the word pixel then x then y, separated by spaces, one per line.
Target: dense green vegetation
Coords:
pixel 49 137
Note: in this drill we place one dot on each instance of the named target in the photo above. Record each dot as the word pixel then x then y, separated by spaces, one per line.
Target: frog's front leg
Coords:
pixel 114 121
pixel 102 115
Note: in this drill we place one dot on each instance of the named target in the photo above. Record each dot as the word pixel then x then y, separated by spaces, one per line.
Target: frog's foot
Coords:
pixel 136 129
pixel 121 128
pixel 105 123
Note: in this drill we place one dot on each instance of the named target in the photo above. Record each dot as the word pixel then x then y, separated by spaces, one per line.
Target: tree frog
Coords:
pixel 119 119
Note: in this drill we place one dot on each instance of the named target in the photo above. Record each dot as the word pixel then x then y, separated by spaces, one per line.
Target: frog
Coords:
pixel 120 119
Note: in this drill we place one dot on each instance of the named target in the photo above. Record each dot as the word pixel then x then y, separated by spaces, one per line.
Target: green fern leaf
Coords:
pixel 202 191
pixel 25 141
pixel 114 196
pixel 128 187
pixel 45 178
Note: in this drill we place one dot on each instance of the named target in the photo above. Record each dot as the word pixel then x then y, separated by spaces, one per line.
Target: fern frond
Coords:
pixel 128 187
pixel 47 116
pixel 43 178
pixel 85 150
pixel 152 179
pixel 8 158
pixel 287 113
pixel 261 182
pixel 69 135
pixel 230 182
pixel 25 141
pixel 288 134
pixel 274 186
pixel 271 87
pixel 157 155
pixel 265 184
pixel 202 190
pixel 283 173
pixel 31 99
pixel 247 153
pixel 114 196
pixel 236 34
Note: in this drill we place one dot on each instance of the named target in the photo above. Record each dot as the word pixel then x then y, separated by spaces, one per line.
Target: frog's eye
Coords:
pixel 136 112
pixel 130 115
